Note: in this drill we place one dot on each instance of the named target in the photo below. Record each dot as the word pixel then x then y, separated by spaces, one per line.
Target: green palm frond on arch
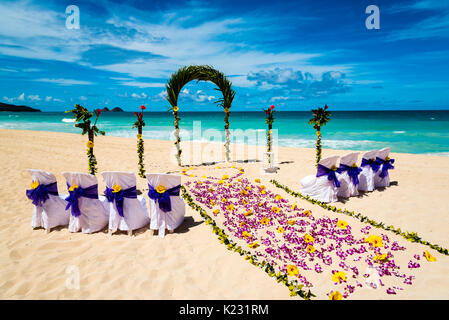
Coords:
pixel 187 74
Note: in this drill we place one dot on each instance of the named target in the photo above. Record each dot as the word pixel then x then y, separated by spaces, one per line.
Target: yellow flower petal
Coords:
pixel 342 224
pixel 429 257
pixel 308 238
pixel 339 276
pixel 335 296
pixel 292 270
pixel 34 184
pixel 253 245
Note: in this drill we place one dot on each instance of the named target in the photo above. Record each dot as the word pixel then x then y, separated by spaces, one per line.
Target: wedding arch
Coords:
pixel 200 73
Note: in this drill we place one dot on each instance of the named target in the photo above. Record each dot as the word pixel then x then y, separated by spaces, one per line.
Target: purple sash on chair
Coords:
pixel 120 196
pixel 322 171
pixel 89 192
pixel 40 194
pixel 163 198
pixel 353 172
pixel 386 165
pixel 373 163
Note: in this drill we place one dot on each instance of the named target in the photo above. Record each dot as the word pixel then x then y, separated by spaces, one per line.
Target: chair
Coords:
pixel 382 178
pixel 369 168
pixel 348 175
pixel 324 185
pixel 127 210
pixel 88 213
pixel 49 209
pixel 167 209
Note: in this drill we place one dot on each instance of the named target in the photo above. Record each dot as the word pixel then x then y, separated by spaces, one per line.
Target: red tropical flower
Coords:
pixel 272 107
pixel 97 112
pixel 136 114
pixel 142 107
pixel 325 107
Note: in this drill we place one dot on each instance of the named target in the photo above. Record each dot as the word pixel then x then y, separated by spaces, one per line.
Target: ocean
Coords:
pixel 423 132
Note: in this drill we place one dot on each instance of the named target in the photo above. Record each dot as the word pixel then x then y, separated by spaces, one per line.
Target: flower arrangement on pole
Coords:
pixel 269 119
pixel 320 117
pixel 139 124
pixel 82 118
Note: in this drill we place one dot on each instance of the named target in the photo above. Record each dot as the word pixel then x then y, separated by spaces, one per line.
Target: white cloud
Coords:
pixel 143 84
pixel 64 82
pixel 48 98
pixel 139 96
pixel 34 97
pixel 21 97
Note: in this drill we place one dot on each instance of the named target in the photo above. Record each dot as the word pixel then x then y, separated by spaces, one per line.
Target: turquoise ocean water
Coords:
pixel 404 131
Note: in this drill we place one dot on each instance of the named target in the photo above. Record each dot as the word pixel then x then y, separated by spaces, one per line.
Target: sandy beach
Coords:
pixel 191 263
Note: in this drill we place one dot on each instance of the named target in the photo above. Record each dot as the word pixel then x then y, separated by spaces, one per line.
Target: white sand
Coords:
pixel 191 263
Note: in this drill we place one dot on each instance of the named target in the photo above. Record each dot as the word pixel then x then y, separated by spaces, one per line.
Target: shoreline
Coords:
pixel 443 154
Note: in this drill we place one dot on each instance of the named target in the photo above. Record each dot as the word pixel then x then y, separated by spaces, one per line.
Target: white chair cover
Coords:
pixel 366 177
pixel 170 220
pixel 52 213
pixel 385 181
pixel 94 212
pixel 347 188
pixel 134 210
pixel 321 188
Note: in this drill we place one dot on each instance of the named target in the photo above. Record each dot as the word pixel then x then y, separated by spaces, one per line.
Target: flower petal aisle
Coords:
pixel 297 245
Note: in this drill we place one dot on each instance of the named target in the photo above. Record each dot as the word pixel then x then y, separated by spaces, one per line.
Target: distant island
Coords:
pixel 11 107
pixel 116 109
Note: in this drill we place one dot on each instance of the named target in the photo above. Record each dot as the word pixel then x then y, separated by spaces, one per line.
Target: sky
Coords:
pixel 295 55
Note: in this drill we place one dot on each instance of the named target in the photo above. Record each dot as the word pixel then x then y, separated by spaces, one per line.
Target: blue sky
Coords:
pixel 295 55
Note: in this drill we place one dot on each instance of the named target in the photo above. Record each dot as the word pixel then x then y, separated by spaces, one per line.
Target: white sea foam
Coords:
pixel 68 120
pixel 398 131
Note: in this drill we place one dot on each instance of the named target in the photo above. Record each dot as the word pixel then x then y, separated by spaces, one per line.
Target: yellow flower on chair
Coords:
pixel 265 221
pixel 117 188
pixel 225 177
pixel 216 211
pixel 257 180
pixel 34 185
pixel 73 187
pixel 161 188
pixel 280 230
pixel 90 144
pixel 278 197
